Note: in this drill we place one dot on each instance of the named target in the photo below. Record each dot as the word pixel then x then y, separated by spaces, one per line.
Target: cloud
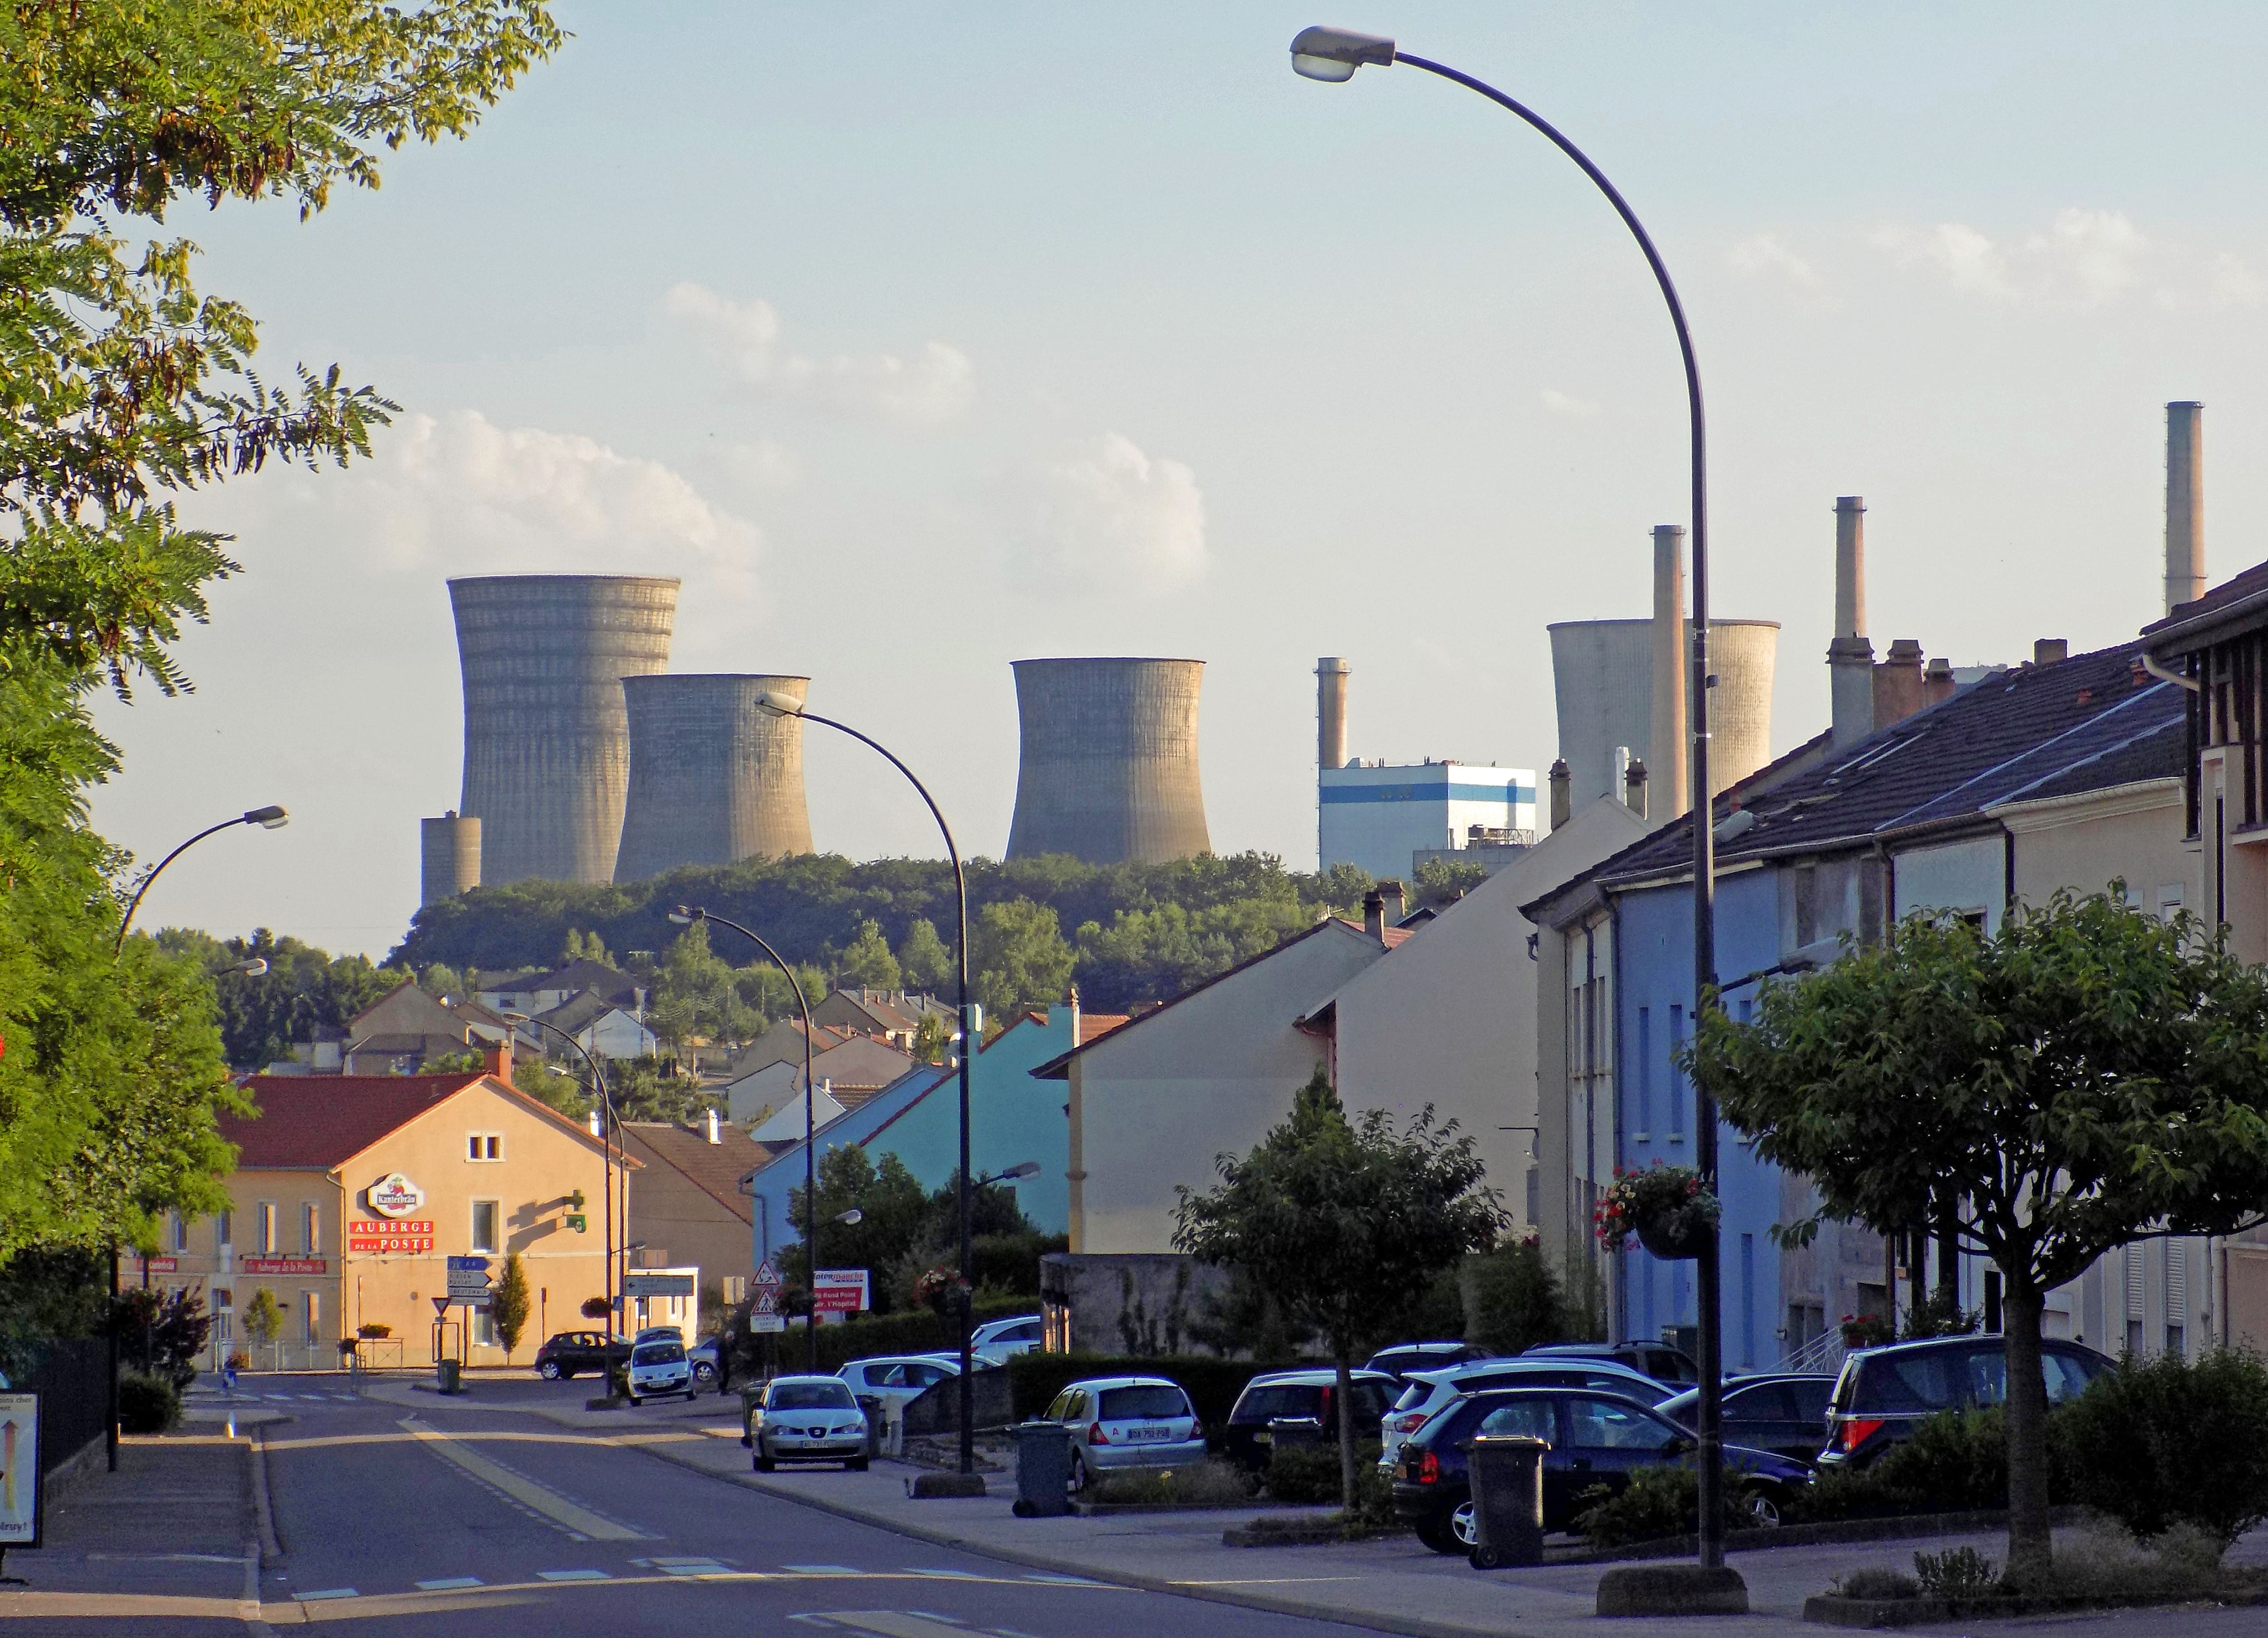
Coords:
pixel 1103 514
pixel 2230 284
pixel 1566 404
pixel 1964 257
pixel 1763 255
pixel 462 493
pixel 936 384
pixel 2082 261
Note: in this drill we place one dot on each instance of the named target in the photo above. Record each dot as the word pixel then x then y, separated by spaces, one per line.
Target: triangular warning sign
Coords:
pixel 766 1275
pixel 440 1306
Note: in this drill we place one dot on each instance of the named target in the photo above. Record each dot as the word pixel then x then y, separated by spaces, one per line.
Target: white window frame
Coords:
pixel 177 1232
pixel 496 1227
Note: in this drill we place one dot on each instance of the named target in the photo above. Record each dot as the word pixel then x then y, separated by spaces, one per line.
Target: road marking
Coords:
pixel 897 1623
pixel 567 1515
pixel 449 1583
pixel 705 1563
pixel 821 1569
pixel 1066 1581
pixel 578 1574
pixel 334 1592
pixel 942 1574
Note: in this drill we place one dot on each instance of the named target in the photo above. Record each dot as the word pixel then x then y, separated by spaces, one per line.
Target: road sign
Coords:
pixel 441 1307
pixel 767 1275
pixel 767 1301
pixel 839 1290
pixel 468 1278
pixel 21 1519
pixel 652 1284
pixel 762 1323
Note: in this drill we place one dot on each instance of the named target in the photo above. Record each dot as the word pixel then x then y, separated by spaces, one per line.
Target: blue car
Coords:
pixel 1596 1438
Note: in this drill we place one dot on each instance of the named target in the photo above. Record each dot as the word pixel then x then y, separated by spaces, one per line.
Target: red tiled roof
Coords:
pixel 1092 1026
pixel 314 1122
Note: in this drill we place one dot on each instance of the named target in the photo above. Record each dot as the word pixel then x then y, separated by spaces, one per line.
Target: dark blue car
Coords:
pixel 1596 1438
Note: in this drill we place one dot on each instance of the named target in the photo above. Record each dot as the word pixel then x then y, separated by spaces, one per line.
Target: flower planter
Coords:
pixel 1678 1237
pixel 1669 1210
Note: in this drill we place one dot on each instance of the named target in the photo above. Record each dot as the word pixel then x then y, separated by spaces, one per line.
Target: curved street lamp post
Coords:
pixel 610 1129
pixel 1333 55
pixel 268 818
pixel 783 705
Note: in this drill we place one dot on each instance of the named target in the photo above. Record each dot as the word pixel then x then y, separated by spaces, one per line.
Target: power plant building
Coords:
pixel 1108 769
pixel 714 778
pixel 1603 674
pixel 546 733
pixel 449 857
pixel 1379 818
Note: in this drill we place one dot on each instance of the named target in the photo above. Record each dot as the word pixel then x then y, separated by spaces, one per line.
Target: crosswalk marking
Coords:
pixel 945 1575
pixel 821 1569
pixel 334 1592
pixel 449 1583
pixel 573 1575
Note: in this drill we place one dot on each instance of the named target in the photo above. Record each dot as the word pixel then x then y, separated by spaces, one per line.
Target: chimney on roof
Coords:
pixel 2050 650
pixel 1072 1001
pixel 592 1121
pixel 1897 683
pixel 2184 504
pixel 1634 788
pixel 1669 724
pixel 715 1136
pixel 1938 682
pixel 1392 899
pixel 1562 800
pixel 1850 655
pixel 1374 914
pixel 497 1060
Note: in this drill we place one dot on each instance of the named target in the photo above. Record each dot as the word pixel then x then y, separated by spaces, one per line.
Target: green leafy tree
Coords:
pixel 553 1084
pixel 866 961
pixel 932 1036
pixel 1325 1214
pixel 509 1304
pixel 1512 1299
pixel 1156 954
pixel 2086 1077
pixel 925 962
pixel 304 990
pixel 895 1216
pixel 263 1317
pixel 1019 957
pixel 643 1089
pixel 163 1333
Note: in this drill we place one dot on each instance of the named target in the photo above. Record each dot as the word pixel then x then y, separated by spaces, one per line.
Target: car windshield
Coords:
pixel 1266 1404
pixel 1127 1404
pixel 810 1396
pixel 658 1354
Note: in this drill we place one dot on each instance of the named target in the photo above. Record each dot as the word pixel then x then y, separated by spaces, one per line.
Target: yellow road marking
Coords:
pixel 543 1499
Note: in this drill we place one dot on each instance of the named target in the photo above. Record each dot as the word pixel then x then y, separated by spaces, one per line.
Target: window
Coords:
pixel 267 1238
pixel 314 1313
pixel 177 1232
pixel 1602 1425
pixel 484 1145
pixel 224 1231
pixel 1642 1115
pixel 311 1229
pixel 224 1313
pixel 1142 1403
pixel 1766 1402
pixel 484 1225
pixel 484 1329
pixel 1676 1075
pixel 1529 1419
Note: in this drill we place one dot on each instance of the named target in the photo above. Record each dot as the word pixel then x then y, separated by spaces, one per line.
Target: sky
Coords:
pixel 918 341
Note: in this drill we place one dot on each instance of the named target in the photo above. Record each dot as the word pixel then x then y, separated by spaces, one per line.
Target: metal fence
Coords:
pixel 71 1380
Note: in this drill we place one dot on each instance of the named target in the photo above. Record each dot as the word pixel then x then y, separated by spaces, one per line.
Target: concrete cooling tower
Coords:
pixel 714 778
pixel 449 852
pixel 546 739
pixel 1602 672
pixel 1108 771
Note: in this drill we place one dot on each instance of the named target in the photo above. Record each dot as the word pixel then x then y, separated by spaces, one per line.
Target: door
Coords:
pixel 1764 1417
pixel 1605 1439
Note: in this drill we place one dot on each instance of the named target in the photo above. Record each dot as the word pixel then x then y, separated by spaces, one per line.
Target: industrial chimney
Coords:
pixel 2184 504
pixel 1665 756
pixel 449 857
pixel 546 739
pixel 1330 713
pixel 1108 766
pixel 714 777
pixel 1850 656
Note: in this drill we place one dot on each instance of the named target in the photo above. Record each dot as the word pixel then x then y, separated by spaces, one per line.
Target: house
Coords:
pixel 687 1206
pixel 401 1032
pixel 785 1123
pixel 539 992
pixel 782 1043
pixel 2064 773
pixel 890 1016
pixel 598 1025
pixel 350 1192
pixel 853 1070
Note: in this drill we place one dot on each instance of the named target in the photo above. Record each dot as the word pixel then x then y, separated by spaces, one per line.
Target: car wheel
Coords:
pixel 1437 1537
pixel 1077 1473
pixel 856 1465
pixel 1764 1504
pixel 1464 1528
pixel 765 1464
pixel 550 1370
pixel 704 1373
pixel 635 1401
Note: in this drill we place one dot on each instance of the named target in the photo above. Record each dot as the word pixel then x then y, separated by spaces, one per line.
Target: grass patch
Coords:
pixel 1195 1485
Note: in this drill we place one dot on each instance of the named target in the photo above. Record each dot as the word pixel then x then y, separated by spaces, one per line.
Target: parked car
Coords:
pixel 1405 1357
pixel 712 1363
pixel 571 1352
pixel 897 1379
pixel 1119 1422
pixel 1596 1439
pixel 808 1418
pixel 1300 1395
pixel 1656 1360
pixel 1777 1411
pixel 657 1333
pixel 657 1368
pixel 997 1341
pixel 1883 1392
pixel 1428 1390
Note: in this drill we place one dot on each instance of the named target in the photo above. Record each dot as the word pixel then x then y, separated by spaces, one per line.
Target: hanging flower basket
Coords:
pixel 1668 1209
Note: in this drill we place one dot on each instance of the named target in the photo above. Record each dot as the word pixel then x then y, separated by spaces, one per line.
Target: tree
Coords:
pixel 895 1215
pixel 2084 1078
pixel 932 1036
pixel 866 961
pixel 1337 1219
pixel 924 961
pixel 1514 1300
pixel 508 1304
pixel 263 1317
pixel 1019 957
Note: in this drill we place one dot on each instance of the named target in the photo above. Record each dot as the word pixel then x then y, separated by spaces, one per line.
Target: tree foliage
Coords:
pixel 304 990
pixel 1342 1220
pixel 2086 1077
pixel 867 961
pixel 1018 958
pixel 906 1230
pixel 925 963
pixel 509 1304
pixel 162 1333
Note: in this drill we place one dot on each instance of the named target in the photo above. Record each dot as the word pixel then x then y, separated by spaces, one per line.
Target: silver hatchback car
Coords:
pixel 1127 1422
pixel 808 1418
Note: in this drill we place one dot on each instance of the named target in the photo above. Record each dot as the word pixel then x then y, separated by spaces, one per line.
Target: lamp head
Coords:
pixel 1023 1169
pixel 256 967
pixel 852 1218
pixel 1334 54
pixel 513 1018
pixel 778 704
pixel 269 818
pixel 684 916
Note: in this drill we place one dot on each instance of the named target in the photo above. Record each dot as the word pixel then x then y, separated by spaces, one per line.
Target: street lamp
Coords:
pixel 1333 55
pixel 269 818
pixel 686 916
pixel 1022 1168
pixel 609 1128
pixel 783 704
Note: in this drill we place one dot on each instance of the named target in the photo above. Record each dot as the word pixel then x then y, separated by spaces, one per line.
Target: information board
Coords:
pixel 839 1290
pixel 21 1515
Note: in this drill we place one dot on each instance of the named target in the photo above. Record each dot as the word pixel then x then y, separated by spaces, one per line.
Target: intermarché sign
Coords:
pixel 408 1236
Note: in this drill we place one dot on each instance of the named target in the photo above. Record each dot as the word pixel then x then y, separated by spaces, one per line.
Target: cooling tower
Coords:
pixel 449 852
pixel 1108 770
pixel 1602 672
pixel 547 743
pixel 714 778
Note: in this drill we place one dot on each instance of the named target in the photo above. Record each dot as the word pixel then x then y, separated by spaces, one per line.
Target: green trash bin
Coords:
pixel 1508 1482
pixel 450 1375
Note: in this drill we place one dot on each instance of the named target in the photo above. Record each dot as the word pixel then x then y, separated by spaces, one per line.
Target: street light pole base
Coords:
pixel 928 1487
pixel 1672 1590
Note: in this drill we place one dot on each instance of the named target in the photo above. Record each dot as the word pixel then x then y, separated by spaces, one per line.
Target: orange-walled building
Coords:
pixel 352 1191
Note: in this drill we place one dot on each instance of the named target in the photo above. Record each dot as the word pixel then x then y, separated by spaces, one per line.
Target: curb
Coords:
pixel 1827 1609
pixel 1893 1527
pixel 263 1511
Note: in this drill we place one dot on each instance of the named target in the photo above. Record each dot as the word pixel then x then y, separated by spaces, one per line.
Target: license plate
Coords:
pixel 1264 1437
pixel 1139 1435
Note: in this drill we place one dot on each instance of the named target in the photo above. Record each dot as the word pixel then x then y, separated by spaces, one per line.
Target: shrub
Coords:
pixel 375 1331
pixel 1657 1501
pixel 1877 1581
pixel 1304 1474
pixel 2171 1441
pixel 1512 1299
pixel 1957 1572
pixel 1211 1481
pixel 1953 1461
pixel 148 1403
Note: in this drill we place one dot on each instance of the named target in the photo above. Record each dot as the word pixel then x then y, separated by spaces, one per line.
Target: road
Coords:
pixel 441 1523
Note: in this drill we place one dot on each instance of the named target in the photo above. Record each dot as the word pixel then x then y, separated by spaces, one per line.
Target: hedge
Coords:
pixel 920 1332
pixel 1212 1384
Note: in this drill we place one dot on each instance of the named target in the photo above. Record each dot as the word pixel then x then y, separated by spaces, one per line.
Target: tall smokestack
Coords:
pixel 1665 756
pixel 2184 504
pixel 1330 713
pixel 449 850
pixel 1850 656
pixel 1109 764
